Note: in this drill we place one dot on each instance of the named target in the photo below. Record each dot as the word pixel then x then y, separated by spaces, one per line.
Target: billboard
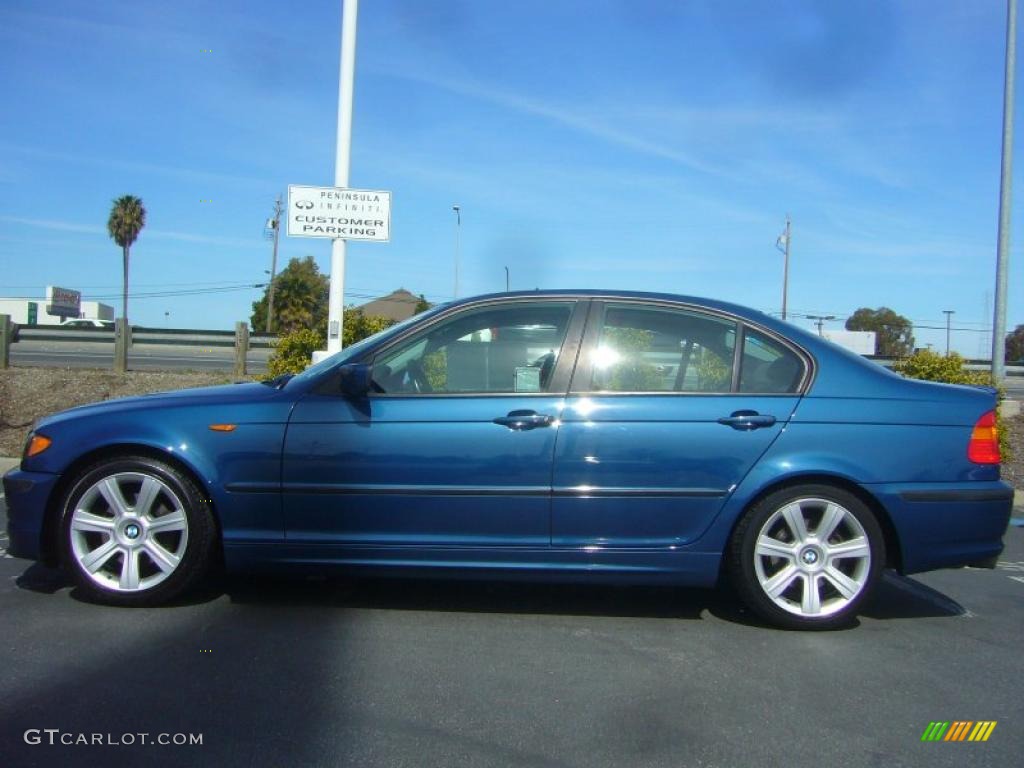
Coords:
pixel 63 302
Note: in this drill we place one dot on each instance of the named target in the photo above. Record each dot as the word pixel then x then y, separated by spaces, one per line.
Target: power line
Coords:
pixel 220 289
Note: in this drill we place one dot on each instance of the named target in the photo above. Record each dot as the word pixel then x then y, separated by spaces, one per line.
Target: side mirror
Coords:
pixel 355 379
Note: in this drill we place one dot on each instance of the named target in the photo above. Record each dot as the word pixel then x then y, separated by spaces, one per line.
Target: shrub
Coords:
pixel 713 373
pixel 293 352
pixel 357 326
pixel 949 369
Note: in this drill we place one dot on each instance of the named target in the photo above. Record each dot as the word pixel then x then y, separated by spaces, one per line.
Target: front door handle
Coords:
pixel 522 420
pixel 747 420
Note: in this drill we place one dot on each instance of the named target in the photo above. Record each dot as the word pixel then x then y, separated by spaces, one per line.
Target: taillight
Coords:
pixel 984 445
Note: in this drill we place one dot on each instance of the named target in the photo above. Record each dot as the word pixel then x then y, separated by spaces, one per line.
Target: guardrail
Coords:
pixel 970 365
pixel 239 339
pixel 184 337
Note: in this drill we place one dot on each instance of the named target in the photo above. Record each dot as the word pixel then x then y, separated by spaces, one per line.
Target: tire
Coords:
pixel 136 532
pixel 795 574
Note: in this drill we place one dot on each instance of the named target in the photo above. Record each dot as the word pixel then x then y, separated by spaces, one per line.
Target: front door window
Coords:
pixel 493 350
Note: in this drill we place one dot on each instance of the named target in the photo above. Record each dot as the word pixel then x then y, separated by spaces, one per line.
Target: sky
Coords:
pixel 632 144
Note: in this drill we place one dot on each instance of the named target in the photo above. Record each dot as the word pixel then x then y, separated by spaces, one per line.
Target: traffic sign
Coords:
pixel 339 213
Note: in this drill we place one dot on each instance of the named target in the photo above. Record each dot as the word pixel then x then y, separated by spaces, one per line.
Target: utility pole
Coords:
pixel 782 243
pixel 1005 188
pixel 458 245
pixel 820 321
pixel 275 225
pixel 948 313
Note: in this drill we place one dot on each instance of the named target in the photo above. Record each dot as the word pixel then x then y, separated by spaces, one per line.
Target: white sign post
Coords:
pixel 334 212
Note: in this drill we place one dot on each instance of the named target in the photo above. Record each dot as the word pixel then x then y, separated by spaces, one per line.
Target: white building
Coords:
pixel 33 311
pixel 861 342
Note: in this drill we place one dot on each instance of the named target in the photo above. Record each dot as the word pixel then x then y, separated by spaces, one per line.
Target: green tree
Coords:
pixel 127 218
pixel 894 334
pixel 1015 345
pixel 300 299
pixel 422 305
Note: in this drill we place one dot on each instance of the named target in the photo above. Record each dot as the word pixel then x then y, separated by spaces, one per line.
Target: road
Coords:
pixel 1014 388
pixel 402 673
pixel 78 354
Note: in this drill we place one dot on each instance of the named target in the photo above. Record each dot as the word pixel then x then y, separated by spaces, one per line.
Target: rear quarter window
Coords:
pixel 768 365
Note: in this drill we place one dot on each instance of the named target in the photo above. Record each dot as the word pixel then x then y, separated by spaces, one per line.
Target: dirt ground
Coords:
pixel 1013 470
pixel 29 393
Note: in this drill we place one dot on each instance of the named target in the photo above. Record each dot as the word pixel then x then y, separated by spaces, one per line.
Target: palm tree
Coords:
pixel 127 218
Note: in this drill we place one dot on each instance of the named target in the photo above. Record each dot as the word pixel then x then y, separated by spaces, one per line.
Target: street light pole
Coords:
pixel 458 245
pixel 275 224
pixel 782 243
pixel 948 313
pixel 1005 188
pixel 506 279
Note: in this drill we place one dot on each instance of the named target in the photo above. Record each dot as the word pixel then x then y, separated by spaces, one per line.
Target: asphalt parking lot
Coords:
pixel 400 673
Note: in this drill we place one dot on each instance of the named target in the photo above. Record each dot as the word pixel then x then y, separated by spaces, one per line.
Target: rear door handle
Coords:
pixel 522 420
pixel 747 420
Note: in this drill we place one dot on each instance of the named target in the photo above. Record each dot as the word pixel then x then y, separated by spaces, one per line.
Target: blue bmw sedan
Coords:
pixel 544 435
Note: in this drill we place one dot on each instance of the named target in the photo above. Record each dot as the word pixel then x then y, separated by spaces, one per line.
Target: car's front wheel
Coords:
pixel 136 531
pixel 807 557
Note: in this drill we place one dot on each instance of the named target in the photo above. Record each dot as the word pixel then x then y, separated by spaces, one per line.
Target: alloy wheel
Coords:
pixel 812 557
pixel 129 532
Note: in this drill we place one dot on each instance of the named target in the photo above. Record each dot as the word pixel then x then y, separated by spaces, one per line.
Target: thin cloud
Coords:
pixel 156 234
pixel 577 121
pixel 191 174
pixel 188 237
pixel 709 126
pixel 60 226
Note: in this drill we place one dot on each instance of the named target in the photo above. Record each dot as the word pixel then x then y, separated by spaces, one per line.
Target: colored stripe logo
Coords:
pixel 959 730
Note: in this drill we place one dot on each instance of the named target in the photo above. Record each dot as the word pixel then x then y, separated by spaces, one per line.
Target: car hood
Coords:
pixel 224 394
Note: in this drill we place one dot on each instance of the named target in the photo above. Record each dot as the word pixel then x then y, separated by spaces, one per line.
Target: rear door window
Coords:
pixel 660 349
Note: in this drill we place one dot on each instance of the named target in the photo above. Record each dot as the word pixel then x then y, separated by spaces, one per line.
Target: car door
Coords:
pixel 455 446
pixel 670 407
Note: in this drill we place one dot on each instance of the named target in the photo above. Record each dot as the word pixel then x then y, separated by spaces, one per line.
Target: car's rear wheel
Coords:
pixel 807 557
pixel 136 531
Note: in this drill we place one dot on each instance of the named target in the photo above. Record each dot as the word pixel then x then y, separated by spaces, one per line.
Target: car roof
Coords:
pixel 596 293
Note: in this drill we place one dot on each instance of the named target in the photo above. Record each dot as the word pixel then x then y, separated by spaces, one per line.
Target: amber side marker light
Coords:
pixel 984 445
pixel 223 427
pixel 37 445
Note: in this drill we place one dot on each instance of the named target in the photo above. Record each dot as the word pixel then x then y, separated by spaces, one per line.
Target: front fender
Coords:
pixel 248 456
